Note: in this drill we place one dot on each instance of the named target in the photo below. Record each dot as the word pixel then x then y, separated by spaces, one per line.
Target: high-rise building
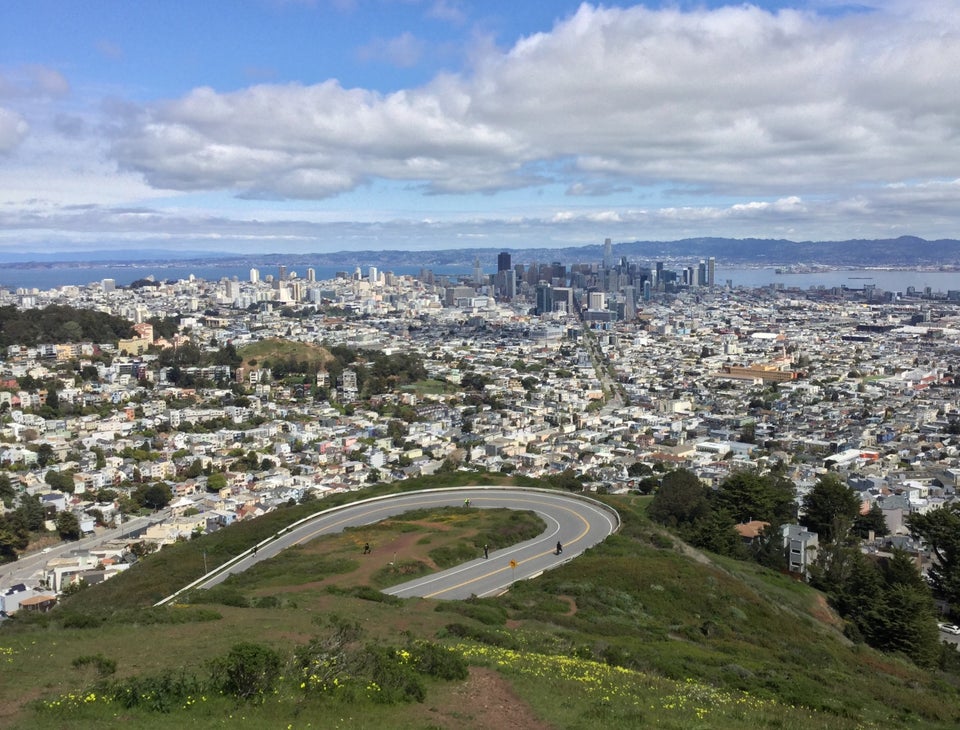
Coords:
pixel 254 276
pixel 311 275
pixel 477 272
pixel 282 272
pixel 108 285
pixel 702 273
pixel 503 261
pixel 711 271
pixel 607 253
pixel 544 298
pixel 659 280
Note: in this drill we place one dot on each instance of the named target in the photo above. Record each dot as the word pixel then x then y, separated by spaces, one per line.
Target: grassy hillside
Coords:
pixel 278 350
pixel 638 632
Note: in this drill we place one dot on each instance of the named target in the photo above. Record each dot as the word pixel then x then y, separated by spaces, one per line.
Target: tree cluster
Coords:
pixel 706 517
pixel 886 603
pixel 17 526
pixel 58 324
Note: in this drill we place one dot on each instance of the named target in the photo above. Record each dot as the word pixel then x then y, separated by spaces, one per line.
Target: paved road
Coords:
pixel 29 569
pixel 577 522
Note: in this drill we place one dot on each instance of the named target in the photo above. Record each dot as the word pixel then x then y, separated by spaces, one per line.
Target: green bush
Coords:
pixel 161 692
pixel 397 679
pixel 438 661
pixel 248 671
pixel 105 667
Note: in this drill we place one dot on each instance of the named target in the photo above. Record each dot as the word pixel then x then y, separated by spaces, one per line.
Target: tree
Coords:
pixel 830 509
pixel 747 495
pixel 44 454
pixel 68 526
pixel 682 498
pixel 940 531
pixel 194 470
pixel 7 492
pixel 872 521
pixel 61 480
pixel 14 537
pixel 153 496
pixel 216 481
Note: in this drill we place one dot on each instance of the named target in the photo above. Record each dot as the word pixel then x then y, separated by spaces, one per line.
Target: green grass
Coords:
pixel 279 349
pixel 632 634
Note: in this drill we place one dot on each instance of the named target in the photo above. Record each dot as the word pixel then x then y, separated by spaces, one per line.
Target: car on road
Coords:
pixel 949 628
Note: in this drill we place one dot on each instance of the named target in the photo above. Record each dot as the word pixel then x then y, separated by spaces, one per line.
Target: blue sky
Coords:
pixel 326 125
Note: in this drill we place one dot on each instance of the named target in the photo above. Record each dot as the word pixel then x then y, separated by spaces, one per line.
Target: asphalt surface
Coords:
pixel 29 569
pixel 576 522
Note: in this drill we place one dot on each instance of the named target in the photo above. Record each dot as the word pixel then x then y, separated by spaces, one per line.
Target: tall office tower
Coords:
pixel 254 276
pixel 544 298
pixel 702 273
pixel 559 272
pixel 691 276
pixel 597 300
pixel 477 272
pixel 607 253
pixel 563 295
pixel 531 275
pixel 282 272
pixel 647 289
pixel 311 275
pixel 711 271
pixel 629 302
pixel 659 280
pixel 374 275
pixel 297 290
pixel 108 285
pixel 503 261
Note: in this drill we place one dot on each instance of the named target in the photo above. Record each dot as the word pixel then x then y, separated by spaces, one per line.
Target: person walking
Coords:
pixel 559 547
pixel 486 551
pixel 366 548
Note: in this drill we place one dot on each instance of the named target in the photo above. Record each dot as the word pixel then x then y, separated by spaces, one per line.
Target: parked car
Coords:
pixel 949 628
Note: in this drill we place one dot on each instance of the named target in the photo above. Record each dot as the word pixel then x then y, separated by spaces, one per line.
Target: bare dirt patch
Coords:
pixel 485 701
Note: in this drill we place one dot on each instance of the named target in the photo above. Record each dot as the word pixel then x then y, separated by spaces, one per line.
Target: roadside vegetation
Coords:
pixel 640 631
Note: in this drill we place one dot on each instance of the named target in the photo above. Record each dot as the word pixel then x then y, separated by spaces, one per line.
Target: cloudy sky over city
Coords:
pixel 328 125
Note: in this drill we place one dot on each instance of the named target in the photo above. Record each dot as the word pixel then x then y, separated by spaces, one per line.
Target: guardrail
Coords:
pixel 223 567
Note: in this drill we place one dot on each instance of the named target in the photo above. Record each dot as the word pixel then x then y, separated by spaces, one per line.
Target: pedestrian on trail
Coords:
pixel 366 548
pixel 486 551
pixel 466 503
pixel 559 547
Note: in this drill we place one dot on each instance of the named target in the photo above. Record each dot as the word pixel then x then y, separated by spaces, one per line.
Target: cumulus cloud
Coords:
pixel 734 100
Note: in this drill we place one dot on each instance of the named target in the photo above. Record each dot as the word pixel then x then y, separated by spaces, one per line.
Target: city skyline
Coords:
pixel 292 126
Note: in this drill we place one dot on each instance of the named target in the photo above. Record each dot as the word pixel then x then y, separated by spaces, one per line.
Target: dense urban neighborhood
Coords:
pixel 203 403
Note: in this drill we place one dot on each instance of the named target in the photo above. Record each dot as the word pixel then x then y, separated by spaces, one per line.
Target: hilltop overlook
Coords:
pixel 640 631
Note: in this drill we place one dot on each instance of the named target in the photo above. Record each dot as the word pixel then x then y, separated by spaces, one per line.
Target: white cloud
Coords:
pixel 13 129
pixel 735 100
pixel 731 122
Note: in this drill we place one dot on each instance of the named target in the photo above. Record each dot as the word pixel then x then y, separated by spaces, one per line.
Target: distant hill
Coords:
pixel 905 251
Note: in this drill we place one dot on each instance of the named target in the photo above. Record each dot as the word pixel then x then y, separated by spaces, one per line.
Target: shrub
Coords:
pixel 104 666
pixel 396 677
pixel 438 661
pixel 248 671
